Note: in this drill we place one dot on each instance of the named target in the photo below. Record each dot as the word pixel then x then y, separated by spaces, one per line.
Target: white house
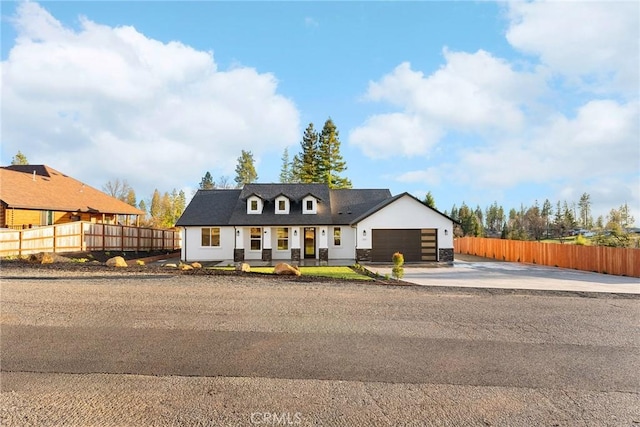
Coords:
pixel 310 221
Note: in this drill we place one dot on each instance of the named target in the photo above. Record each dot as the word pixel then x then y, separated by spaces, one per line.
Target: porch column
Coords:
pixel 323 246
pixel 296 234
pixel 238 250
pixel 266 244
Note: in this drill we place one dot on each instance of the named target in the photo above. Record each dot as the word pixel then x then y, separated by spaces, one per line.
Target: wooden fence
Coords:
pixel 600 259
pixel 87 236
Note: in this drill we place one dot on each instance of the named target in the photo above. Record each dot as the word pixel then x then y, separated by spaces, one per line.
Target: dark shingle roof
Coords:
pixel 210 207
pixel 348 204
pixel 229 207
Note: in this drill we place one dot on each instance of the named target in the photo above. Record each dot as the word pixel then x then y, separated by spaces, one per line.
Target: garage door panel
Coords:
pixel 415 244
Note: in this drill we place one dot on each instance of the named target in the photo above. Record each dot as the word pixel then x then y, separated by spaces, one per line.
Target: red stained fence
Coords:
pixel 600 259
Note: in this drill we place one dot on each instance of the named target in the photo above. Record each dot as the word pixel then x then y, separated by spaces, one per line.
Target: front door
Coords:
pixel 309 242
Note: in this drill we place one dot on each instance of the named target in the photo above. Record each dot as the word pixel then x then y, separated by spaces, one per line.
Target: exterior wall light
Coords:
pixel 446 232
pixel 295 232
pixel 323 232
pixel 238 233
pixel 364 233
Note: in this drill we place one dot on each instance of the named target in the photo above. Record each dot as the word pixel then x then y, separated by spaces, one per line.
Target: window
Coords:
pixel 256 238
pixel 337 236
pixel 309 205
pixel 211 236
pixel 282 205
pixel 283 238
pixel 254 205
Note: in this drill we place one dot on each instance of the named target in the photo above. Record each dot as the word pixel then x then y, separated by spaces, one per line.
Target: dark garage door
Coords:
pixel 415 244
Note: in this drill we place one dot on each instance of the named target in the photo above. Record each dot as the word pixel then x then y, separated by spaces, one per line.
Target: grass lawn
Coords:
pixel 331 272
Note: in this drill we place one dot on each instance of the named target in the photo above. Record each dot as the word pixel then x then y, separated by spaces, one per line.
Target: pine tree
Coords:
pixel 286 170
pixel 330 161
pixel 155 210
pixel 206 183
pixel 306 171
pixel 19 159
pixel 131 197
pixel 429 200
pixel 245 170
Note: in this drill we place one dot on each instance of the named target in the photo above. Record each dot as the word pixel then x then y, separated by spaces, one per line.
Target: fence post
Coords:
pixel 54 238
pixel 122 238
pixel 20 242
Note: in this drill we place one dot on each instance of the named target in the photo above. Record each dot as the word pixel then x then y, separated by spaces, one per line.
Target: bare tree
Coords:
pixel 118 189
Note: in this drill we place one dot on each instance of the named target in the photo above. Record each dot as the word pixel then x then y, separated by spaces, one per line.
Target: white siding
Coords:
pixel 347 249
pixel 407 213
pixel 192 249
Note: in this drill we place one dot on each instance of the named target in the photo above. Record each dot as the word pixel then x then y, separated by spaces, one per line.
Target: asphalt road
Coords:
pixel 217 351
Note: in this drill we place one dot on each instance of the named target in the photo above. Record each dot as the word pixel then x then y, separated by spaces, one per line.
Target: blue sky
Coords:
pixel 473 101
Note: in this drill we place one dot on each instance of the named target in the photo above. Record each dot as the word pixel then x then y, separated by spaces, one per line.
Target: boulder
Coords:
pixel 47 258
pixel 171 265
pixel 185 267
pixel 285 269
pixel 196 265
pixel 116 261
pixel 244 267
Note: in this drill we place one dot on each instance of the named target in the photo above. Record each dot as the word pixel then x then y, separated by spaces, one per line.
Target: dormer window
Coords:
pixel 309 205
pixel 254 205
pixel 282 205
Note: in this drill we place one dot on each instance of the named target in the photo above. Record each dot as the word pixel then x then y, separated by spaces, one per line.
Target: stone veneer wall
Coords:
pixel 266 255
pixel 238 255
pixel 324 254
pixel 363 255
pixel 445 255
pixel 295 254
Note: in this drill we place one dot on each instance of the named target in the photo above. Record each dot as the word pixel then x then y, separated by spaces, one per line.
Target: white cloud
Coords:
pixel 109 102
pixel 395 134
pixel 585 41
pixel 471 93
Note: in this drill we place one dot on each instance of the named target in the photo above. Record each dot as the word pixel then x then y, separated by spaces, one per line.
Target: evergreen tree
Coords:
pixel 155 210
pixel 429 200
pixel 206 183
pixel 286 170
pixel 245 170
pixel 585 211
pixel 296 169
pixel 330 162
pixel 307 168
pixel 547 211
pixel 19 159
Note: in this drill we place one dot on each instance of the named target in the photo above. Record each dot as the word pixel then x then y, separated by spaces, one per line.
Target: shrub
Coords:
pixel 398 261
pixel 581 240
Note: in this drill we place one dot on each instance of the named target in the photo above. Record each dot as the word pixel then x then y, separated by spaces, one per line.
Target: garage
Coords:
pixel 417 245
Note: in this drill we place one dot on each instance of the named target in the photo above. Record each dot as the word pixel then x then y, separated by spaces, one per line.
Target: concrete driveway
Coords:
pixel 476 272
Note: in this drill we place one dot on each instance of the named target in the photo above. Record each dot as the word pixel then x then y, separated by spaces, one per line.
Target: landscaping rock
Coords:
pixel 170 265
pixel 285 269
pixel 185 267
pixel 244 267
pixel 196 265
pixel 116 261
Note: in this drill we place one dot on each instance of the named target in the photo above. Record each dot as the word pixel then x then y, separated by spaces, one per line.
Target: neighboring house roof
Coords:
pixel 228 207
pixel 390 200
pixel 44 188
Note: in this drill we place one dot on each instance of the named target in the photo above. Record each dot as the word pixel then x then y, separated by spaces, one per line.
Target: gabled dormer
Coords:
pixel 282 205
pixel 255 204
pixel 310 204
